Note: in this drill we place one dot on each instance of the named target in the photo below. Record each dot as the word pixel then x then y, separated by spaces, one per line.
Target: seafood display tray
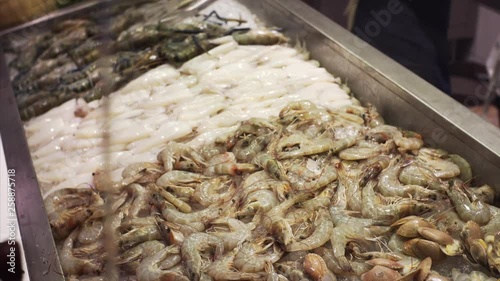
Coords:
pixel 403 99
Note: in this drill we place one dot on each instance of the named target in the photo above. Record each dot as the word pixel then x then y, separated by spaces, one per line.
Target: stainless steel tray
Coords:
pixel 403 98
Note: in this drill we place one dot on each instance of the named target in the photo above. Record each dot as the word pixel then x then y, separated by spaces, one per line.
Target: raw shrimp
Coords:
pixel 248 148
pixel 191 248
pixel 72 265
pixel 140 204
pixel 322 200
pixel 373 207
pixel 91 231
pixel 271 165
pixel 222 269
pixel 180 178
pixel 292 270
pixel 408 140
pixel 389 185
pixel 441 168
pixel 321 234
pixel 373 167
pixel 253 255
pixel 150 171
pixel 272 275
pixel 203 216
pixel 417 174
pixel 259 37
pixel 477 211
pixel 140 251
pixel 238 233
pixel 231 169
pixel 365 152
pixel 179 204
pixel 463 165
pixel 213 190
pixel 263 200
pixel 310 175
pixel 175 151
pixel 347 229
pixel 483 193
pixel 310 147
pixel 139 235
pixel 274 219
pixel 103 182
pixel 150 270
pixel 349 179
pixel 494 224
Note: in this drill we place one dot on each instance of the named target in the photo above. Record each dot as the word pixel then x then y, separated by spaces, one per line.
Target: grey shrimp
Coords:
pixel 191 248
pixel 477 211
pixel 321 234
pixel 72 265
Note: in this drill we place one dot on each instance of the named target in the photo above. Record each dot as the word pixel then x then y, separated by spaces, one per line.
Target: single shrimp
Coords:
pixel 477 211
pixel 139 235
pixel 311 175
pixel 72 265
pixel 182 178
pixel 272 275
pixel 231 169
pixel 292 270
pixel 365 152
pixel 102 181
pixel 252 256
pixel 91 231
pixel 191 248
pixel 271 165
pixel 179 204
pixel 463 165
pixel 150 171
pixel 214 190
pixel 222 269
pixel 140 204
pixel 238 232
pixel 205 215
pixel 322 232
pixel 263 200
pixel 308 146
pixel 493 225
pixel 373 167
pixel 261 180
pixel 173 153
pixel 68 220
pixel 348 229
pixel 248 148
pixel 483 193
pixel 350 180
pixel 441 168
pixel 274 219
pixel 140 251
pixel 322 200
pixel 389 185
pixel 374 208
pixel 408 140
pixel 150 269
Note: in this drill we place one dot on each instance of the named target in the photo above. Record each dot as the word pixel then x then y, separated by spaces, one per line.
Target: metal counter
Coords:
pixel 401 97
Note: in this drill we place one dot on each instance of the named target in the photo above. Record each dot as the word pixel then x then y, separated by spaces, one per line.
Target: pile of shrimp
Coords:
pixel 310 194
